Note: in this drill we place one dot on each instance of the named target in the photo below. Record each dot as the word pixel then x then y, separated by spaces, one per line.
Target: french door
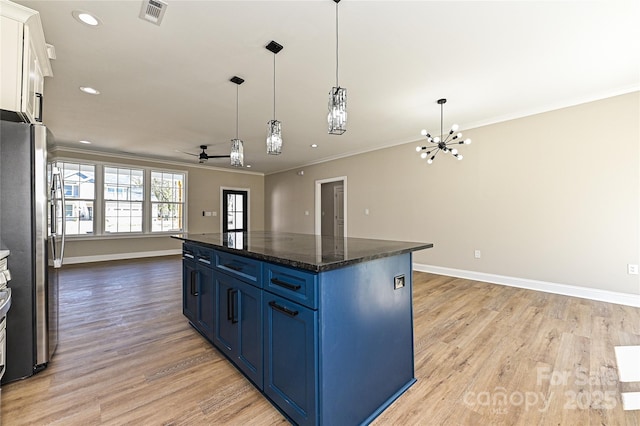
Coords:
pixel 235 211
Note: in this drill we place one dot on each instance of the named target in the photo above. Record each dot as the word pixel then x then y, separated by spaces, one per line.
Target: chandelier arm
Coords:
pixel 274 86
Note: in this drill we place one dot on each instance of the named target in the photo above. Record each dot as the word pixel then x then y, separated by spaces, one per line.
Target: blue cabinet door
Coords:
pixel 238 325
pixel 206 306
pixel 291 358
pixel 189 290
pixel 226 332
pixel 250 348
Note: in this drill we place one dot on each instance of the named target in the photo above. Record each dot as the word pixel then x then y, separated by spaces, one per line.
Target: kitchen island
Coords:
pixel 322 326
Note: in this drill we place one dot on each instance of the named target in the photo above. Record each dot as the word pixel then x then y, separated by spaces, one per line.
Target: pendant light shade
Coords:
pixel 237 146
pixel 337 117
pixel 274 138
pixel 237 153
pixel 274 127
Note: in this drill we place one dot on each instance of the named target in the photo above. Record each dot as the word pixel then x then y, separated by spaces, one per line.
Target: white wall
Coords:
pixel 553 197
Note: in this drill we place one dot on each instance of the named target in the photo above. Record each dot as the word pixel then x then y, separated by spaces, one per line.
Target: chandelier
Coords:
pixel 274 127
pixel 337 116
pixel 443 142
pixel 237 146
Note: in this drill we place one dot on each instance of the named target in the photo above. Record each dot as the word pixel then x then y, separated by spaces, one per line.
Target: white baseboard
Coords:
pixel 119 256
pixel 547 287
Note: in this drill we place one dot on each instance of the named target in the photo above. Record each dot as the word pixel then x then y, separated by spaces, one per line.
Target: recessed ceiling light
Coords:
pixel 248 166
pixel 314 145
pixel 86 18
pixel 89 90
pixel 85 142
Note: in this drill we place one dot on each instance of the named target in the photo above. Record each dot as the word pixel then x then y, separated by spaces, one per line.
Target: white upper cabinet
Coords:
pixel 24 63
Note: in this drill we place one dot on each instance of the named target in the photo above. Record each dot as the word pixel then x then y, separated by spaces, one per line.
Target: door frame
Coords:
pixel 222 215
pixel 318 207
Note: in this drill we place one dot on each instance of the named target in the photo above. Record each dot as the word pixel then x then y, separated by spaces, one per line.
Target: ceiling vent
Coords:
pixel 153 11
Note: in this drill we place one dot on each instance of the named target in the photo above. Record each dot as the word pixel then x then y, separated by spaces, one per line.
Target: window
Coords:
pixel 167 201
pixel 79 192
pixel 116 199
pixel 123 199
pixel 235 212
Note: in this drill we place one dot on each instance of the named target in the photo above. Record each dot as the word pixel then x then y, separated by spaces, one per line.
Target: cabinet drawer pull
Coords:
pixel 203 260
pixel 188 255
pixel 232 266
pixel 282 309
pixel 194 292
pixel 232 305
pixel 284 284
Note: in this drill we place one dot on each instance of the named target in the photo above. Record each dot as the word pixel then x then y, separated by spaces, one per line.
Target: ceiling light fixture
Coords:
pixel 85 142
pixel 443 142
pixel 237 146
pixel 89 90
pixel 274 127
pixel 85 18
pixel 337 116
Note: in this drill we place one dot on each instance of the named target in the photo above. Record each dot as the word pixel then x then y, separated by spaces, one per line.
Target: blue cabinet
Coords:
pixel 238 324
pixel 291 358
pixel 197 294
pixel 327 348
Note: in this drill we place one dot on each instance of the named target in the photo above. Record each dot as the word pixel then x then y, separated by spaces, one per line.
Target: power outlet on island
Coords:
pixel 477 254
pixel 398 282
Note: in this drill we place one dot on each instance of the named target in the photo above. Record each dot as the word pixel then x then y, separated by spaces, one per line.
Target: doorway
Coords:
pixel 331 207
pixel 235 211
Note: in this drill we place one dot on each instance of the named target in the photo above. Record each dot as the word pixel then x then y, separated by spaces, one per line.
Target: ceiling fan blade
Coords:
pixel 188 153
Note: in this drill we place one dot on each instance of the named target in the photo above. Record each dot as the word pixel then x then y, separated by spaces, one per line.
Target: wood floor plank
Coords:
pixel 127 355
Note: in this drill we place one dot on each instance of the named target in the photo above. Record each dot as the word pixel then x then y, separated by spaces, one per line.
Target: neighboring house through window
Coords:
pixel 79 190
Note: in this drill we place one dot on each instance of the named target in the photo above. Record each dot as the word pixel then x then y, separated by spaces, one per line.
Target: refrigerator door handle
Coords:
pixel 56 186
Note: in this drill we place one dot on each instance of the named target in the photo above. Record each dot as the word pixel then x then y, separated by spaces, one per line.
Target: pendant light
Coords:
pixel 337 116
pixel 443 142
pixel 274 127
pixel 237 146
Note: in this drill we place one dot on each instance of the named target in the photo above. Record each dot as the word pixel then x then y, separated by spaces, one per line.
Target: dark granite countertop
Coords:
pixel 305 251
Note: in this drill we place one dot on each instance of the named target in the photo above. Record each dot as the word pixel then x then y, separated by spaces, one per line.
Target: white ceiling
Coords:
pixel 166 88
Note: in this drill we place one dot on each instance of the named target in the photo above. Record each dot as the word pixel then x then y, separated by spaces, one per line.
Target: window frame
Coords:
pixel 99 232
pixel 180 204
pixel 69 199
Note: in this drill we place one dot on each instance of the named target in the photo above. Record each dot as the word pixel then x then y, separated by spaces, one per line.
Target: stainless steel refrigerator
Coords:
pixel 32 228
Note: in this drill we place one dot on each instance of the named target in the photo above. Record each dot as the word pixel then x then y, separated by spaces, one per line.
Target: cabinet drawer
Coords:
pixel 298 286
pixel 201 255
pixel 238 266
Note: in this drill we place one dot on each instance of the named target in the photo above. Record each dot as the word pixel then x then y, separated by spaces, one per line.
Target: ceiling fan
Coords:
pixel 203 156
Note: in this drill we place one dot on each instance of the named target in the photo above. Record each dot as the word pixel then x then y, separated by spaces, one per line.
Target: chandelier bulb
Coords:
pixel 430 160
pixel 436 139
pixel 459 157
pixel 454 152
pixel 418 148
pixel 423 132
pixel 423 155
pixel 467 141
pixel 454 128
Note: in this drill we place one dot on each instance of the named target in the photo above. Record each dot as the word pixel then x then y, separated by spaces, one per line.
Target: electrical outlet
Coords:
pixel 477 254
pixel 632 269
pixel 398 282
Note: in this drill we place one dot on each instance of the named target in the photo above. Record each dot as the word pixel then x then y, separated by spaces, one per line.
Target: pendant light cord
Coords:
pixel 237 108
pixel 337 45
pixel 441 128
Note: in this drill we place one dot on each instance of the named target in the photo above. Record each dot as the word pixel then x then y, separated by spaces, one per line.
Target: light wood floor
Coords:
pixel 484 354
